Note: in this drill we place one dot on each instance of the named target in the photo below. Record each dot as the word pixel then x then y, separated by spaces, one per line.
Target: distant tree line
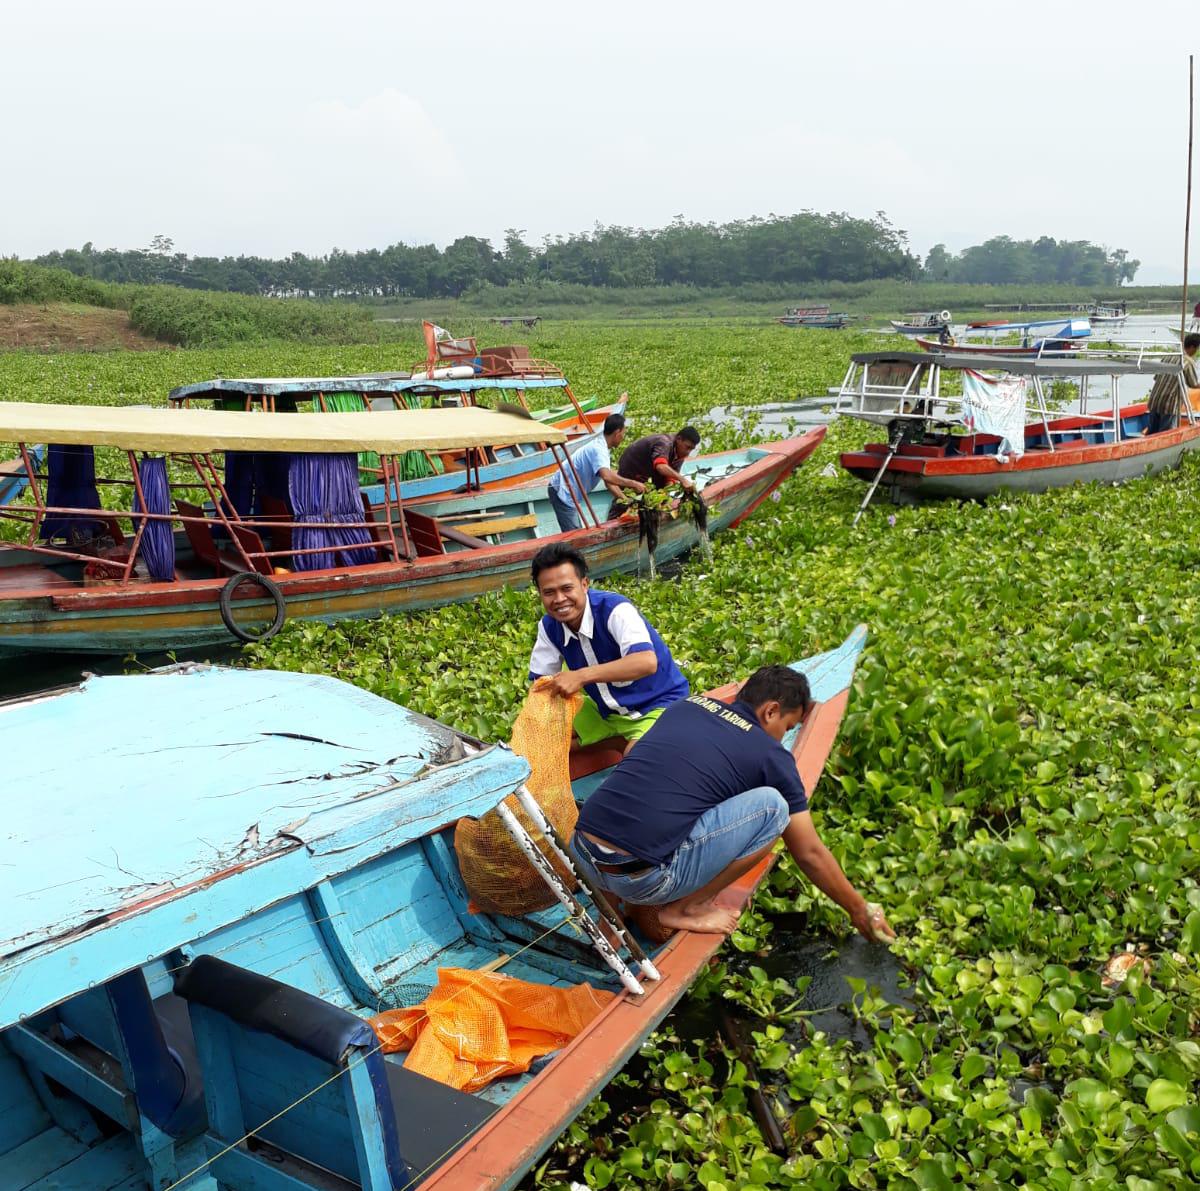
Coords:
pixel 1046 261
pixel 792 250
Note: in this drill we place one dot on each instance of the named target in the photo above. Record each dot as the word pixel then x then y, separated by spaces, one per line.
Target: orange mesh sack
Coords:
pixel 475 1026
pixel 495 871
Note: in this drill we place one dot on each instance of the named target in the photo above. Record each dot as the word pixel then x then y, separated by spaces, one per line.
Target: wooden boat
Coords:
pixel 818 317
pixel 380 390
pixel 13 475
pixel 927 452
pixel 1058 336
pixel 503 465
pixel 921 322
pixel 184 1007
pixel 225 569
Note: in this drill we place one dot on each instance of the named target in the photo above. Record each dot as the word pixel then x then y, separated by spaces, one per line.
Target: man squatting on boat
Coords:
pixel 710 786
pixel 701 800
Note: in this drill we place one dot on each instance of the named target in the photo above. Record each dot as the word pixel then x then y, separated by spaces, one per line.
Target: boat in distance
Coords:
pixel 1041 337
pixel 216 553
pixel 921 322
pixel 942 443
pixel 820 317
pixel 199 1012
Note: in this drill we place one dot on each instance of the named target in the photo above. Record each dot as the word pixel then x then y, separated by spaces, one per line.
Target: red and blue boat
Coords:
pixel 934 410
pixel 231 522
pixel 184 1001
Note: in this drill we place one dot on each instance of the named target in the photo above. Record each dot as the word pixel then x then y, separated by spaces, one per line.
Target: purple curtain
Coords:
pixel 71 485
pixel 239 481
pixel 158 538
pixel 325 488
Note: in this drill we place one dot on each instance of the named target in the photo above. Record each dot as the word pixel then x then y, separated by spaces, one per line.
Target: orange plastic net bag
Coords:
pixel 477 1026
pixel 495 871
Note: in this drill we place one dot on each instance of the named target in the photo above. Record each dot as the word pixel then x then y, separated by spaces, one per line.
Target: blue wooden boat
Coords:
pixel 501 465
pixel 242 875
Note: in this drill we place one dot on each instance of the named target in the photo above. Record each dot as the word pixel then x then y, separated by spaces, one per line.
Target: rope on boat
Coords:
pixel 233 1145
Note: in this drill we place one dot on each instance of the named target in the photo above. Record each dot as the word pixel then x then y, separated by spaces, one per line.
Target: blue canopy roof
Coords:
pixel 144 811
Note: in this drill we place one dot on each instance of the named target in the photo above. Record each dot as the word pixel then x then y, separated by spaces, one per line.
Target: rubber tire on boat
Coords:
pixel 271 588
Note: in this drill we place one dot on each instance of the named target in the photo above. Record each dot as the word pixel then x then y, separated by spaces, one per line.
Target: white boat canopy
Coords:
pixel 201 431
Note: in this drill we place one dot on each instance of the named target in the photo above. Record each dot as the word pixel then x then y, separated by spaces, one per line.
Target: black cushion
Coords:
pixel 260 1003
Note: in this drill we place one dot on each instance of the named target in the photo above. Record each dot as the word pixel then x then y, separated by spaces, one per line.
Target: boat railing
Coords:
pixel 242 533
pixel 925 401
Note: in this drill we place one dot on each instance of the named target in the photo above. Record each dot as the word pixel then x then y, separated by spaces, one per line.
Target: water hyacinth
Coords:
pixel 1015 781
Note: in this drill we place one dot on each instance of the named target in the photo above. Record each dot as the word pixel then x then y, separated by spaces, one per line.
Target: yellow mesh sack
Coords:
pixel 475 1027
pixel 495 871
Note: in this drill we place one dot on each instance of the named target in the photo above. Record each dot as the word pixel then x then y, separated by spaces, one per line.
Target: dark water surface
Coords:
pixel 32 673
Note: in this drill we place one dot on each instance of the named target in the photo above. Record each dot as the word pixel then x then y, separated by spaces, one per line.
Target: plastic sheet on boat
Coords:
pixel 495 871
pixel 475 1027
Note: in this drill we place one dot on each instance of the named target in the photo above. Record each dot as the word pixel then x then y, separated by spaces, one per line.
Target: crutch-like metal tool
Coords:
pixel 569 901
pixel 599 898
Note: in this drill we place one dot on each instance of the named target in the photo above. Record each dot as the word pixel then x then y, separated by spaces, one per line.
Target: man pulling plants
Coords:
pixel 656 459
pixel 567 496
pixel 608 648
pixel 700 801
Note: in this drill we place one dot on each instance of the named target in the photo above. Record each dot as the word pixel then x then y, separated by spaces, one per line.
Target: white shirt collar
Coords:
pixel 586 625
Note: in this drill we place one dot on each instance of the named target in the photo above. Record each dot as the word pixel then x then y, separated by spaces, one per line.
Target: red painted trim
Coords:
pixel 1035 459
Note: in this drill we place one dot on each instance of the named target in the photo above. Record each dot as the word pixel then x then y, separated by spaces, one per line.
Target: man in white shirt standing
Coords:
pixel 592 462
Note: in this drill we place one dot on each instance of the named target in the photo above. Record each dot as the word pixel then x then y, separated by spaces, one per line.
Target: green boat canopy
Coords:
pixel 201 431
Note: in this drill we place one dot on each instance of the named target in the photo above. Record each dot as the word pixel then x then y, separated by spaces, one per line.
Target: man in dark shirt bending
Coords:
pixel 701 800
pixel 657 458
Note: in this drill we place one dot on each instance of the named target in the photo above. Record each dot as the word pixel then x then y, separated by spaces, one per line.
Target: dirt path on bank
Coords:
pixel 59 327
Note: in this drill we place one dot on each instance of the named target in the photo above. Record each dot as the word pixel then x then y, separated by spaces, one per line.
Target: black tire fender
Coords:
pixel 271 588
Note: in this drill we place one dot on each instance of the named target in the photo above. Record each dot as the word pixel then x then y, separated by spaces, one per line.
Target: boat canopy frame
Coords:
pixel 192 439
pixel 918 396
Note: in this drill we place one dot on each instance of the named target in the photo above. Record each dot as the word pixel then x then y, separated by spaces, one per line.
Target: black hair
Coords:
pixel 776 684
pixel 1191 341
pixel 689 434
pixel 555 555
pixel 613 423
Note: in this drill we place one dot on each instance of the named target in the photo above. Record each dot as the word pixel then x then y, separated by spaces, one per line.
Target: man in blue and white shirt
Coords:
pixel 592 463
pixel 609 650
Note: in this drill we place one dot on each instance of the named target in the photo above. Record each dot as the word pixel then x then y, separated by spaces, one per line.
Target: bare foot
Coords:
pixel 706 917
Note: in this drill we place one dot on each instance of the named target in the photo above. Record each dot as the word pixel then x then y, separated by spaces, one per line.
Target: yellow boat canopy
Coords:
pixel 201 431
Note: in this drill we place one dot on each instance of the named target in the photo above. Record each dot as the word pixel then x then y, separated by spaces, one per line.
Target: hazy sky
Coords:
pixel 266 128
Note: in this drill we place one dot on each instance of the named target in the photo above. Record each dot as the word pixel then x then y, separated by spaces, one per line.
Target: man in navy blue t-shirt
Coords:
pixel 703 798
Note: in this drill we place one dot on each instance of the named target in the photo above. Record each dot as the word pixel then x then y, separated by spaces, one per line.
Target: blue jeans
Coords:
pixel 564 510
pixel 738 827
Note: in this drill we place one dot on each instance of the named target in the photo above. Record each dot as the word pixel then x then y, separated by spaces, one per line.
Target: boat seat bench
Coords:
pixel 266 1047
pixel 43 1147
pixel 130 1059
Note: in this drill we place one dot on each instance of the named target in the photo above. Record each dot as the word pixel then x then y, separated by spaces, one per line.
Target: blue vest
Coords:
pixel 663 687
